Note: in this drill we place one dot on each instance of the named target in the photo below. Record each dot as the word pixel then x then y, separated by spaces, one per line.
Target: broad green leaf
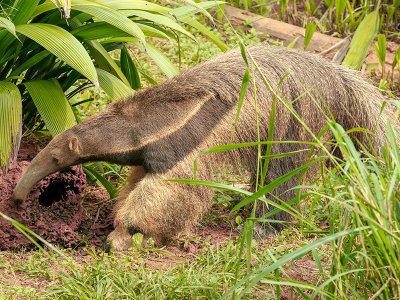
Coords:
pixel 185 11
pixel 63 45
pixel 8 25
pixel 156 55
pixel 21 11
pixel 162 61
pixel 204 30
pixel 396 59
pixel 110 16
pixel 162 20
pixel 101 30
pixel 105 61
pixel 129 69
pixel 113 86
pixel 362 40
pixel 44 7
pixel 30 62
pixel 10 123
pixel 199 8
pixel 52 105
pixel 125 6
pixel 97 30
pixel 155 31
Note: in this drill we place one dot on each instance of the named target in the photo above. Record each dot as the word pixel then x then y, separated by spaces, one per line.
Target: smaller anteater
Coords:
pixel 161 130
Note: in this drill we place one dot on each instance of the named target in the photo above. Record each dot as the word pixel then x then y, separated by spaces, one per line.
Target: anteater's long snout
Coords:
pixel 41 166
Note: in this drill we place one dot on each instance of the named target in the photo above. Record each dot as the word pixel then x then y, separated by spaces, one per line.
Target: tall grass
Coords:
pixel 359 193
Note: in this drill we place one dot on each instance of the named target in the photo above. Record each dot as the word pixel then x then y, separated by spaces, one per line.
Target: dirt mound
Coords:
pixel 54 209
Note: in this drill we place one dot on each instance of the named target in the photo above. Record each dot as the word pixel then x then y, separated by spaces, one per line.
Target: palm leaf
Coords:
pixel 105 61
pixel 162 61
pixel 162 20
pixel 8 25
pixel 113 86
pixel 156 55
pixel 63 45
pixel 10 123
pixel 37 58
pixel 110 16
pixel 129 69
pixel 127 5
pixel 205 31
pixel 52 105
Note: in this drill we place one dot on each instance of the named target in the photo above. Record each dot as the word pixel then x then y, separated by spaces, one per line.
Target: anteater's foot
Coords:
pixel 120 239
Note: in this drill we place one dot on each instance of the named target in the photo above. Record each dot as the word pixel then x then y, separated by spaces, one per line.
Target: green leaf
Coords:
pixel 380 48
pixel 97 30
pixel 63 45
pixel 113 86
pixel 310 29
pixel 8 25
pixel 162 61
pixel 30 62
pixel 162 20
pixel 101 30
pixel 105 61
pixel 396 59
pixel 205 31
pixel 129 69
pixel 52 105
pixel 10 123
pixel 340 8
pixel 126 6
pixel 156 55
pixel 362 40
pixel 110 16
pixel 21 11
pixel 112 191
pixel 186 11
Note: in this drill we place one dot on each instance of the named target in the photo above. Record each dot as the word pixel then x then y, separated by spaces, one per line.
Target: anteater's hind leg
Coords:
pixel 159 209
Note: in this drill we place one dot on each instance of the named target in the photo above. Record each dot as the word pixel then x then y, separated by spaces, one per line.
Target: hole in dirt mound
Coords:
pixel 55 192
pixel 60 208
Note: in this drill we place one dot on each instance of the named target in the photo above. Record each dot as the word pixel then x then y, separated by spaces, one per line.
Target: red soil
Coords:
pixel 53 209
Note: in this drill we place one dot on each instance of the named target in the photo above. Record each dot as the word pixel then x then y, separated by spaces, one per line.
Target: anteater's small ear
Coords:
pixel 74 145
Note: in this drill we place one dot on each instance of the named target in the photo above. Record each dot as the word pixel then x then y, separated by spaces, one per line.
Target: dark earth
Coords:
pixel 61 208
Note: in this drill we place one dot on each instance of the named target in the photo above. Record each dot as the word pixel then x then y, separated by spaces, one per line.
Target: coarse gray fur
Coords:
pixel 161 130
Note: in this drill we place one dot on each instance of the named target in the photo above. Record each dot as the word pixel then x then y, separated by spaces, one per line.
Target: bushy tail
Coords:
pixel 366 108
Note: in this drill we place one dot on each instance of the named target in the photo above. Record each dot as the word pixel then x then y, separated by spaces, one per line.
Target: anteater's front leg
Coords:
pixel 158 208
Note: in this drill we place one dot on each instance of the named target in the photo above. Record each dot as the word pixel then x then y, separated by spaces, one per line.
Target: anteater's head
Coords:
pixel 108 136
